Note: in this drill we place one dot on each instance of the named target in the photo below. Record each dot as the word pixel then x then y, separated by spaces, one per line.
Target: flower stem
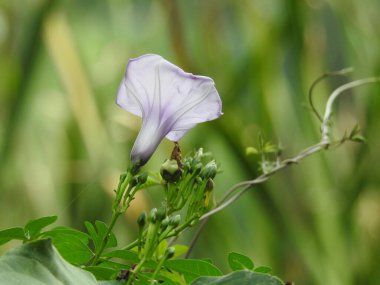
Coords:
pixel 136 270
pixel 98 254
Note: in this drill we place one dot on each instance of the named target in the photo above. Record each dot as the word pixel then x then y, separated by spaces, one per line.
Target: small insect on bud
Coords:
pixel 170 171
pixel 169 252
pixel 174 221
pixel 152 218
pixel 209 171
pixel 141 220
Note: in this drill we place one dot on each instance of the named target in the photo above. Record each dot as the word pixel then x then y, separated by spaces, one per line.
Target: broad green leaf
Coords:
pixel 71 244
pixel 161 248
pixel 38 263
pixel 12 233
pixel 67 231
pixel 98 233
pixel 263 269
pixel 102 273
pixel 112 282
pixel 33 228
pixel 130 256
pixel 243 277
pixel 146 278
pixel 239 261
pixel 192 268
pixel 127 255
pixel 93 234
pixel 209 260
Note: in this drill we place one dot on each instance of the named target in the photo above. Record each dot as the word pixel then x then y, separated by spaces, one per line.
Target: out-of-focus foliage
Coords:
pixel 63 141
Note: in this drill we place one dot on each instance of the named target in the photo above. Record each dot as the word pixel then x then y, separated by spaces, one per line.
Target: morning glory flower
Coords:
pixel 169 100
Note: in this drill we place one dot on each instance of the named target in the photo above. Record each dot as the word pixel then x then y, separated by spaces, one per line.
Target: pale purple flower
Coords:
pixel 169 101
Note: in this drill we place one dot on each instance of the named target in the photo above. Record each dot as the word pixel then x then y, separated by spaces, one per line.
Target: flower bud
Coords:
pixel 209 171
pixel 152 218
pixel 196 168
pixel 209 184
pixel 161 214
pixel 141 220
pixel 165 223
pixel 170 171
pixel 174 221
pixel 169 252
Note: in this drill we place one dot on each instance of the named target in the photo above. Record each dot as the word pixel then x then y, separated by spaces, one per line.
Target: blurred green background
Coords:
pixel 63 141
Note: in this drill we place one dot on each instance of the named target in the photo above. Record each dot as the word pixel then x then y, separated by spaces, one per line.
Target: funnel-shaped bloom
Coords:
pixel 169 100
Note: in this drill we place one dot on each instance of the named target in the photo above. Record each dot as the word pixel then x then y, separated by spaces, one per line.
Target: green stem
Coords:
pixel 152 282
pixel 136 270
pixel 115 216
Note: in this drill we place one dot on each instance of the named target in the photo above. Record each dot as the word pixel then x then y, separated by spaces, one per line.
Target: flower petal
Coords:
pixel 169 100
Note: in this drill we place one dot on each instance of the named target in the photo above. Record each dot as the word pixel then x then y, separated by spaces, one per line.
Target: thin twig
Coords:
pixel 319 79
pixel 328 110
pixel 324 144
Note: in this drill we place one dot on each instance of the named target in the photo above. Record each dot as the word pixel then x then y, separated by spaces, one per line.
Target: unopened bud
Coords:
pixel 161 214
pixel 170 171
pixel 209 184
pixel 174 221
pixel 209 171
pixel 169 252
pixel 141 220
pixel 165 223
pixel 196 168
pixel 153 216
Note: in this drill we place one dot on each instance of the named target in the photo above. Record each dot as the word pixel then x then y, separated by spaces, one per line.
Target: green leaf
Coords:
pixel 57 231
pixel 192 268
pixel 38 263
pixel 102 273
pixel 102 229
pixel 243 277
pixel 359 139
pixel 12 233
pixel 98 233
pixel 270 148
pixel 161 248
pixel 238 261
pixel 71 244
pixel 263 269
pixel 251 150
pixel 127 255
pixel 130 256
pixel 180 249
pixel 93 234
pixel 112 282
pixel 33 228
pixel 146 278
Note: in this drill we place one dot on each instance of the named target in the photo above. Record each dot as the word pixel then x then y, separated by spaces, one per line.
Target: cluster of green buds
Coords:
pixel 189 182
pixel 153 229
pixel 129 184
